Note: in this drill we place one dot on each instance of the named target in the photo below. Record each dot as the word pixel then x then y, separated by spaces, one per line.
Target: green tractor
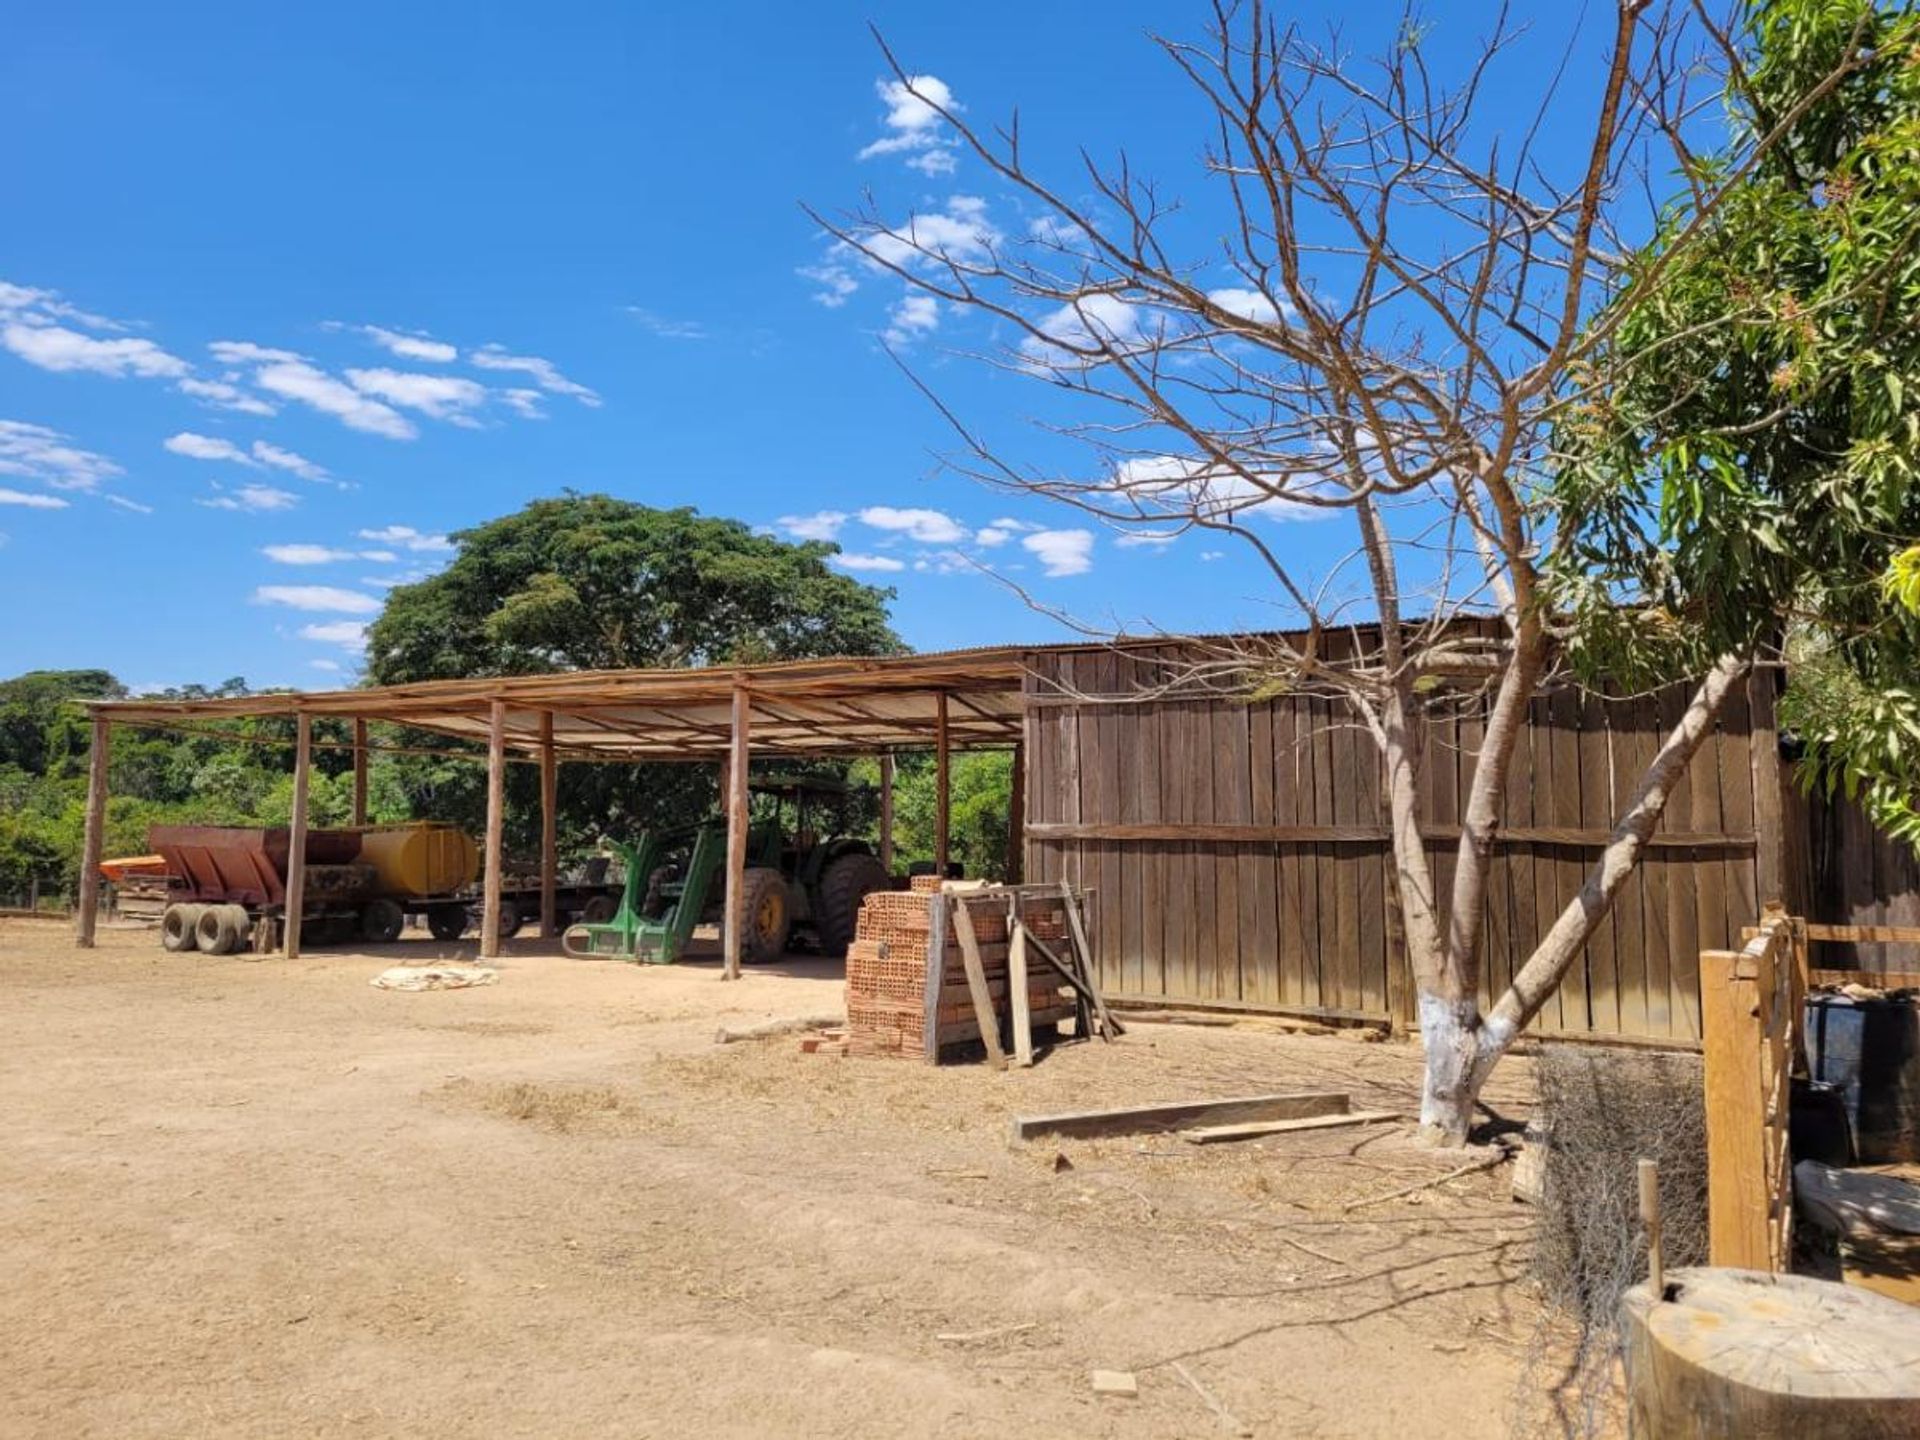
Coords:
pixel 800 887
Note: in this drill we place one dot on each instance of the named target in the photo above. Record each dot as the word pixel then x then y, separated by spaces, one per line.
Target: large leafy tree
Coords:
pixel 587 582
pixel 1742 458
pixel 592 582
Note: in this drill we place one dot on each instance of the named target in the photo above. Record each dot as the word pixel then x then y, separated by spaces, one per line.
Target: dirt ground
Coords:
pixel 244 1197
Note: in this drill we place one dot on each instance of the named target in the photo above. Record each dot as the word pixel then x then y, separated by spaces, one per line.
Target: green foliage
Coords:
pixel 588 582
pixel 1739 450
pixel 980 792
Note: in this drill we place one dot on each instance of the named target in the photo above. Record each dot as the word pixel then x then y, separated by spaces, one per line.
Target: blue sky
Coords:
pixel 292 292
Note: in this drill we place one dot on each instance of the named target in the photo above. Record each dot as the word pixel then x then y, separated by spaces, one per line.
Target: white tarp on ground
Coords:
pixel 434 977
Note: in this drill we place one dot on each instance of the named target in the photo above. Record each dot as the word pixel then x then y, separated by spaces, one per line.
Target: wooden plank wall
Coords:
pixel 1858 876
pixel 1237 855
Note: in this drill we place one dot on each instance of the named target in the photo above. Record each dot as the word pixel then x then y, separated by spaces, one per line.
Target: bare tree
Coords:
pixel 1403 297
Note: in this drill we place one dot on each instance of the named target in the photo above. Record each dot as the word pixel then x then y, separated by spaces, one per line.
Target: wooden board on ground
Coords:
pixel 1180 1115
pixel 1255 1129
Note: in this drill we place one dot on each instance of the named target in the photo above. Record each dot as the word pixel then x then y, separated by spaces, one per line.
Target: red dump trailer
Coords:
pixel 227 885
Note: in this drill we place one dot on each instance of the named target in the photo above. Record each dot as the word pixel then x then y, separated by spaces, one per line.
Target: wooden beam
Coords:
pixel 359 772
pixel 1257 1129
pixel 492 858
pixel 1236 834
pixel 549 831
pixel 942 797
pixel 1763 743
pixel 1017 994
pixel 1181 1114
pixel 1016 861
pixel 95 836
pixel 886 811
pixel 737 821
pixel 297 835
pixel 983 1011
pixel 1735 1107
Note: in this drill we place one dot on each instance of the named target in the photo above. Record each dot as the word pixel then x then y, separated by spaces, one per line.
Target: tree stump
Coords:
pixel 1741 1353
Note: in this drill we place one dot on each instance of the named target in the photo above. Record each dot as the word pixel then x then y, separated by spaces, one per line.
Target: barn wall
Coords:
pixel 1237 850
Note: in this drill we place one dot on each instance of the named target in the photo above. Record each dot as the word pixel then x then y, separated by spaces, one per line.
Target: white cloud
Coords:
pixel 544 372
pixel 960 233
pixel 821 525
pixel 443 397
pixel 332 667
pixel 1144 539
pixel 225 395
pixel 413 346
pixel 287 460
pixel 1083 325
pixel 524 403
pixel 1250 305
pixel 1179 485
pixel 991 535
pixel 914 126
pixel 305 554
pixel 1212 555
pixel 36 305
pixel 930 527
pixel 125 504
pixel 665 326
pixel 254 499
pixel 854 561
pixel 245 352
pixel 383 557
pixel 207 447
pixel 297 380
pixel 1062 552
pixel 405 537
pixel 352 634
pixel 836 281
pixel 35 452
pixel 915 316
pixel 54 347
pixel 324 598
pixel 31 502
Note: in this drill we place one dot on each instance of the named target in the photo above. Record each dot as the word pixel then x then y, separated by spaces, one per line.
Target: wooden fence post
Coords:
pixel 93 838
pixel 1748 1028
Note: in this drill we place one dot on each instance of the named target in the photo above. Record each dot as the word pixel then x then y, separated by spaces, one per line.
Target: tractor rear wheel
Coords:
pixel 844 886
pixel 177 926
pixel 766 917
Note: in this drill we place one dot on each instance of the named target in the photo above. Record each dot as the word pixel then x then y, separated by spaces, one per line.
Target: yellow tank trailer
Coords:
pixel 420 860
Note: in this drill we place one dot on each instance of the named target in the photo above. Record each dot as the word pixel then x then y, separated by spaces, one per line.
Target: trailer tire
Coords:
pixel 177 928
pixel 449 922
pixel 843 889
pixel 215 931
pixel 510 917
pixel 599 910
pixel 382 921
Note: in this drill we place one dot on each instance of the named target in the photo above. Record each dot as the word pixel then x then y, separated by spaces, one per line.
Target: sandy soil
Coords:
pixel 245 1197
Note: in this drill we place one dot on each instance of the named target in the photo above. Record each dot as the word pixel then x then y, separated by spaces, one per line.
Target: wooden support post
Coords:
pixel 886 812
pixel 297 835
pixel 1650 1221
pixel 496 829
pixel 549 831
pixel 983 1011
pixel 359 772
pixel 1763 740
pixel 1017 988
pixel 1736 1111
pixel 96 835
pixel 942 796
pixel 1017 818
pixel 737 821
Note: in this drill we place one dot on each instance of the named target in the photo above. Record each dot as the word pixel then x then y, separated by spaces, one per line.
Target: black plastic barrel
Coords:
pixel 1869 1050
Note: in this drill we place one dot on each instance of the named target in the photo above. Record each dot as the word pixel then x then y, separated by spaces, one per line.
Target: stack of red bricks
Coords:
pixel 887 971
